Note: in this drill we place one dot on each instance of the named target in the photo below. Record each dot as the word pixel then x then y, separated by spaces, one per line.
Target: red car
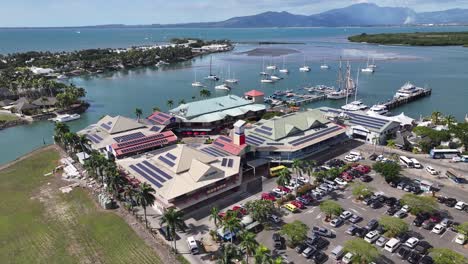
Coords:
pixel 435 218
pixel 346 176
pixel 268 197
pixel 239 209
pixel 284 189
pixel 363 169
pixel 297 204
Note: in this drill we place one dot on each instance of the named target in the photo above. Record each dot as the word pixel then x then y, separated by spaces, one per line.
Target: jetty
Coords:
pixel 306 99
pixel 396 102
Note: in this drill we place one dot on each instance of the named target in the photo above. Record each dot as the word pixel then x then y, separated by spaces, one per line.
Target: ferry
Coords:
pixel 354 106
pixel 407 90
pixel 66 118
pixel 378 109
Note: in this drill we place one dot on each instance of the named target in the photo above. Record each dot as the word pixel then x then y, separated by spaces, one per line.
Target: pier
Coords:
pixel 306 99
pixel 396 102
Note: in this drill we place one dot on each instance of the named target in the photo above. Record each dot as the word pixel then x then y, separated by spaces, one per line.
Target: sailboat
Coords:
pixel 229 79
pixel 212 76
pixel 284 69
pixel 223 86
pixel 324 66
pixel 196 83
pixel 355 105
pixel 368 68
pixel 340 93
pixel 304 68
pixel 271 66
pixel 372 65
pixel 263 67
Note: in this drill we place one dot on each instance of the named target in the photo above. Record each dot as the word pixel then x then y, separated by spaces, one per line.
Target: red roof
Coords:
pixel 159 118
pixel 147 142
pixel 254 93
pixel 226 144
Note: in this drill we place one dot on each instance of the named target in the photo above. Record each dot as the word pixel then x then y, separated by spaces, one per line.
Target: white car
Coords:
pixel 438 229
pixel 372 236
pixel 351 158
pixel 405 208
pixel 460 205
pixel 303 179
pixel 460 239
pixel 346 215
pixel 379 158
pixel 412 242
pixel 278 191
pixel 340 181
pixel 416 163
pixel 348 258
pixel 336 222
pixel 431 170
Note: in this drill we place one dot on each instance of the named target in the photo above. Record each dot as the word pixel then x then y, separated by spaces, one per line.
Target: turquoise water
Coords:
pixel 441 68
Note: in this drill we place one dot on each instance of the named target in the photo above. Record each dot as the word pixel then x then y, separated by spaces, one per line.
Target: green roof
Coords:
pixel 283 126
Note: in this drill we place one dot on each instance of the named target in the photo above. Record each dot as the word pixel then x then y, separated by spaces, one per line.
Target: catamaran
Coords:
pixel 196 83
pixel 284 69
pixel 355 105
pixel 212 76
pixel 304 68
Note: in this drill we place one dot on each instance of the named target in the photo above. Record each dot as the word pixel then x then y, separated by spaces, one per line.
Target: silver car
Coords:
pixel 381 241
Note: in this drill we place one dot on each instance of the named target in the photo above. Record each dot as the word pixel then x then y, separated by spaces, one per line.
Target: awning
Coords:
pixel 257 162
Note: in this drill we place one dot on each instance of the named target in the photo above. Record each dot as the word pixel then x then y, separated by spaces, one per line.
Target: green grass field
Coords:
pixel 39 224
pixel 7 117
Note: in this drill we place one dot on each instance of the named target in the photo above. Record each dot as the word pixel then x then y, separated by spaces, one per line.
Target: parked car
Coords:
pixel 460 239
pixel 376 204
pixel 284 189
pixel 320 243
pixel 355 218
pixel 366 178
pixel 346 215
pixel 403 252
pixel 373 223
pixel 336 222
pixel 352 230
pixel 274 218
pixel 320 257
pixel 460 205
pixel 411 242
pixel 300 248
pixel 402 237
pixel 400 214
pixel 446 222
pixel 298 204
pixel 340 181
pixel 268 197
pixel 372 236
pixel 361 232
pixel 438 229
pixel 392 210
pixel 450 202
pixel 308 252
pixel 431 170
pixel 428 225
pixel 278 191
pixel 414 257
pixel 426 260
pixel 321 231
pixel 418 221
pixel 277 241
pixel 290 207
pixel 303 199
pixel 347 177
pixel 381 241
pixel 347 258
pixel 422 247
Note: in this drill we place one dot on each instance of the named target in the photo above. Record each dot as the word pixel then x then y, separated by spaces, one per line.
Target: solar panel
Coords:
pixel 274 144
pixel 105 126
pixel 253 140
pixel 139 140
pixel 97 137
pixel 266 128
pixel 155 128
pixel 172 157
pixel 94 140
pixel 230 163
pixel 109 123
pixel 218 144
pixel 129 137
pixel 223 162
pixel 164 115
pixel 168 162
pixel 144 146
pixel 225 139
pixel 157 119
pixel 370 118
pixel 157 170
pixel 263 131
pixel 211 152
pixel 366 124
pixel 150 172
pixel 146 176
pixel 314 136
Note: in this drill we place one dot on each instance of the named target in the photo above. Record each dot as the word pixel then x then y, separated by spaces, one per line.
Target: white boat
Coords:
pixel 62 77
pixel 66 118
pixel 275 78
pixel 212 76
pixel 355 105
pixel 304 68
pixel 222 87
pixel 336 95
pixel 264 73
pixel 265 80
pixel 271 66
pixel 284 69
pixel 345 87
pixel 368 68
pixel 196 83
pixel 378 109
pixel 372 65
pixel 407 90
pixel 229 79
pixel 324 66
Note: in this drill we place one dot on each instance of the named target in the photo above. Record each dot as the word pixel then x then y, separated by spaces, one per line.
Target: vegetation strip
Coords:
pixel 415 39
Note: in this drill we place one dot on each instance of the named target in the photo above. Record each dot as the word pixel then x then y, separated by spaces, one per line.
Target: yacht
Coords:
pixel 324 66
pixel 275 78
pixel 368 67
pixel 229 79
pixel 372 65
pixel 407 90
pixel 284 69
pixel 271 66
pixel 267 80
pixel 196 83
pixel 336 95
pixel 304 68
pixel 355 105
pixel 264 73
pixel 212 76
pixel 62 77
pixel 223 87
pixel 349 86
pixel 378 109
pixel 66 118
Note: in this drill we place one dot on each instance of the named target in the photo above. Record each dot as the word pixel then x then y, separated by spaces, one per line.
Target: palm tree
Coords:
pixel 138 113
pixel 145 197
pixel 128 195
pixel 81 141
pixel 181 102
pixel 173 220
pixel 248 243
pixel 435 117
pixel 214 215
pixel 310 167
pixel 450 120
pixel 156 109
pixel 114 179
pixel 298 167
pixel 229 253
pixel 170 103
pixel 231 223
pixel 69 140
pixel 193 98
pixel 262 255
pixel 60 129
pixel 205 93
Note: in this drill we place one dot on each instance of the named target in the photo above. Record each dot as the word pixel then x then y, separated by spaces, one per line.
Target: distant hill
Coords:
pixel 364 14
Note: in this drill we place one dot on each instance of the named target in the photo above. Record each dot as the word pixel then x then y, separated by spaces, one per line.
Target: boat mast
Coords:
pixel 211 60
pixel 340 77
pixel 357 84
pixel 346 84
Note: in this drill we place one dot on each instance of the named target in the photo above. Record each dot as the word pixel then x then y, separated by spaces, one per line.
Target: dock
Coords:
pixel 396 102
pixel 307 99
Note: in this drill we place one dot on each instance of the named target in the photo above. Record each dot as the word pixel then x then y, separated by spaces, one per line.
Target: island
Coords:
pixel 415 39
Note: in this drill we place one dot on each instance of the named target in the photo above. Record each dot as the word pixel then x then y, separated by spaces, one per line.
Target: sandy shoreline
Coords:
pixel 27 155
pixel 273 52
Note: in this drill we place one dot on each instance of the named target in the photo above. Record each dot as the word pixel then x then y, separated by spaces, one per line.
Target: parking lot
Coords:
pixel 312 216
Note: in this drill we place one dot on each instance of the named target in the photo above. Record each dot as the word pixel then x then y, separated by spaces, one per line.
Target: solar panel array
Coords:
pixel 94 138
pixel 155 128
pixel 305 139
pixel 129 137
pixel 364 120
pixel 172 157
pixel 254 140
pixel 266 128
pixel 214 152
pixel 105 126
pixel 261 131
pixel 227 162
pixel 164 115
pixel 226 139
pixel 274 144
pixel 166 161
pixel 148 145
pixel 219 144
pixel 139 140
pixel 151 173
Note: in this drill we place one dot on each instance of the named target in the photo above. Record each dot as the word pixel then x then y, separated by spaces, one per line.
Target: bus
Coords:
pixel 406 161
pixel 444 153
pixel 276 170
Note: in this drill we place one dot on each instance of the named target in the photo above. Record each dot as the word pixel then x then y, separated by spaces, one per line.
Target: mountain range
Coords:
pixel 364 14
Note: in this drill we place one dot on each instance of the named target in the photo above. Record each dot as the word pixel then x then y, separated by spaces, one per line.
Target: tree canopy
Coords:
pixel 363 252
pixel 330 208
pixel 393 226
pixel 260 209
pixel 295 232
pixel 361 190
pixel 419 204
pixel 447 256
pixel 389 170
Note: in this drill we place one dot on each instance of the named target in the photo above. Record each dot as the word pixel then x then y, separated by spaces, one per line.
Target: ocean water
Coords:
pixel 441 68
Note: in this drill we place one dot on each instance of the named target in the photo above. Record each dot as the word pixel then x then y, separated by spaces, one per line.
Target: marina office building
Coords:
pixel 293 136
pixel 183 176
pixel 372 129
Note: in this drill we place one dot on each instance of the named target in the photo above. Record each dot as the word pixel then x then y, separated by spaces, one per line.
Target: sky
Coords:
pixel 56 13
